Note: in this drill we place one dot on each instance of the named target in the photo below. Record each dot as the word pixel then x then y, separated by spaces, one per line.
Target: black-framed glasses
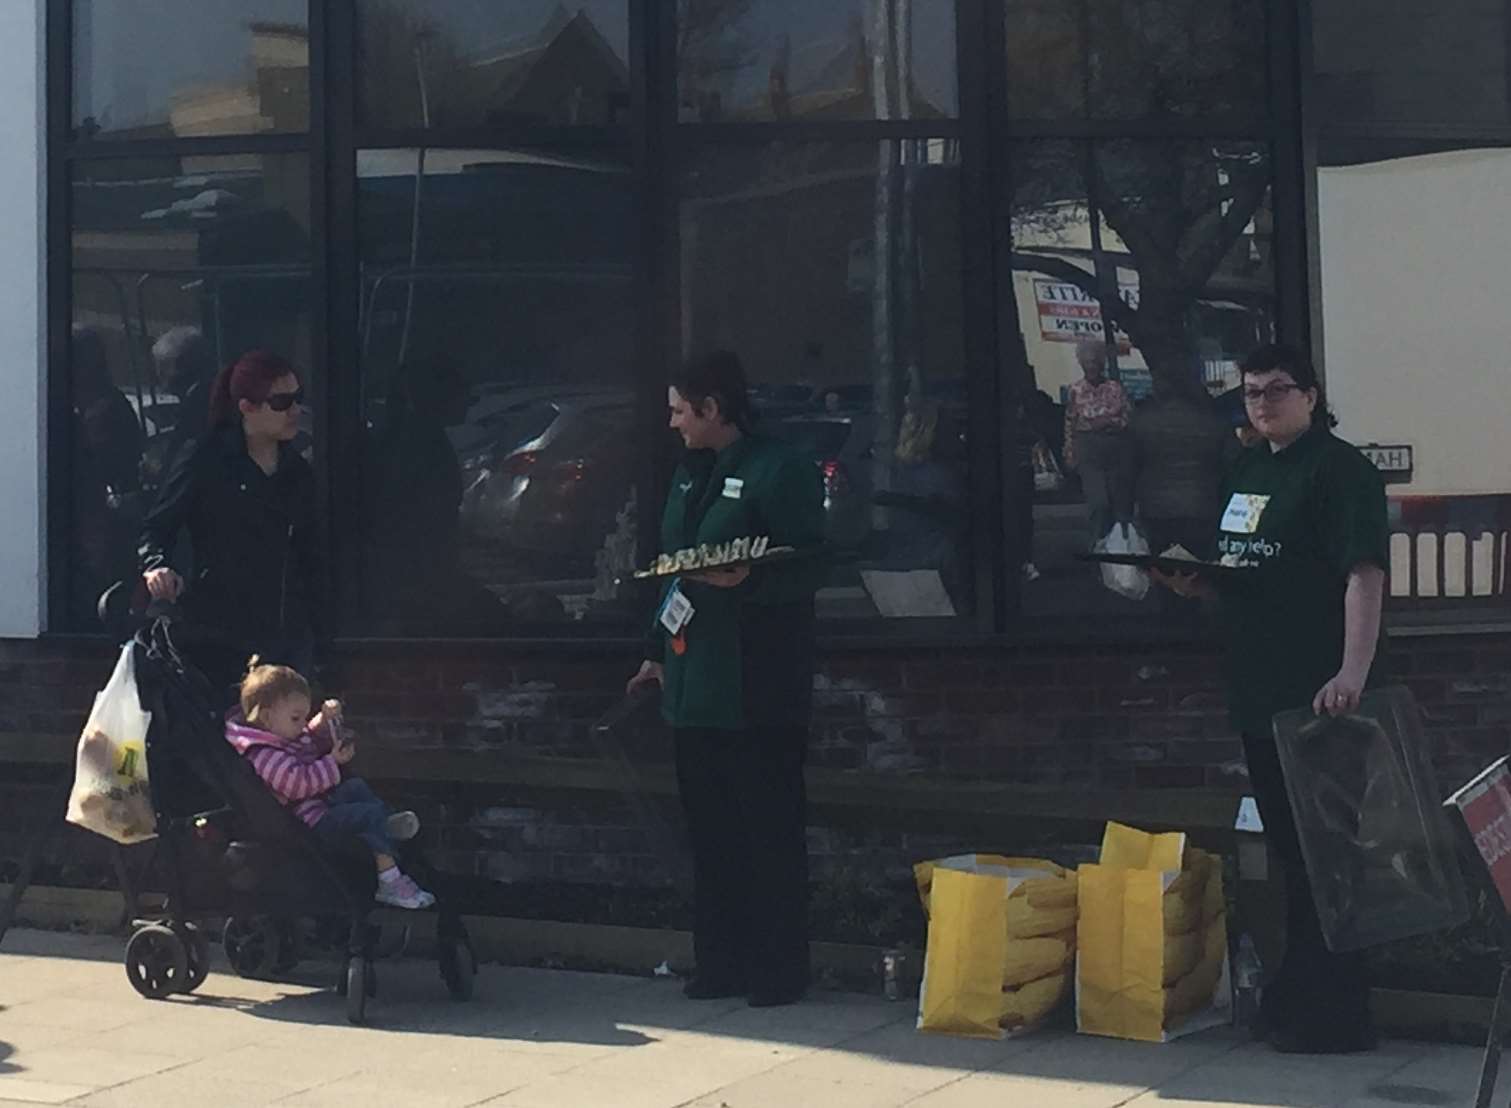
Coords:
pixel 283 401
pixel 1274 392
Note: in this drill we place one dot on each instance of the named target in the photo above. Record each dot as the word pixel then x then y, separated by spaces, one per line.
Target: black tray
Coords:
pixel 1167 565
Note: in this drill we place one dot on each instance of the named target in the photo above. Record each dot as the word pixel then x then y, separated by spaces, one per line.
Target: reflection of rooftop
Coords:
pixel 553 73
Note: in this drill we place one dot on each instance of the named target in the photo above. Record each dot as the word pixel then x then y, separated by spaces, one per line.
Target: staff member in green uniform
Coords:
pixel 733 651
pixel 1306 511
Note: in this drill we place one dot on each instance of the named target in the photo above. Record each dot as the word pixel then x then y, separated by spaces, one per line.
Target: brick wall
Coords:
pixel 462 720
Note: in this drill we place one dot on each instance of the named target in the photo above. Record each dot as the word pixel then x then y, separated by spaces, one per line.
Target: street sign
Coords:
pixel 1486 806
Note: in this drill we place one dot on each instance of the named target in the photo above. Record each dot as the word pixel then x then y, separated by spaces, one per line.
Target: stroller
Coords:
pixel 229 849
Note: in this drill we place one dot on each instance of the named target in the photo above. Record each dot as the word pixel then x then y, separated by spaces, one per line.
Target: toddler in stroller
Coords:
pixel 301 758
pixel 229 849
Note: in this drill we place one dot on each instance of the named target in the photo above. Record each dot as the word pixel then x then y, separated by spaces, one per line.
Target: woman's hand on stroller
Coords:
pixel 163 583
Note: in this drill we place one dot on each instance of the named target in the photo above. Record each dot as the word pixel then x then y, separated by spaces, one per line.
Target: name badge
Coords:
pixel 1244 510
pixel 676 610
pixel 733 487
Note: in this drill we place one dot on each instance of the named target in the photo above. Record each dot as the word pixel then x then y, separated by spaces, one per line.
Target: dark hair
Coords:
pixel 1277 357
pixel 250 377
pixel 717 375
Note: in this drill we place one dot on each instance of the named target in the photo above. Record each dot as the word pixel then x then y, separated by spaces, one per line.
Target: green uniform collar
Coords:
pixel 1310 440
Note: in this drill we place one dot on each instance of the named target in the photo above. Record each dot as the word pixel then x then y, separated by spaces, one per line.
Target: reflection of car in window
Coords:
pixel 841 447
pixel 547 475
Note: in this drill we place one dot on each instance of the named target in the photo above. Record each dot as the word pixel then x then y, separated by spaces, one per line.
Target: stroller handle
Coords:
pixel 127 603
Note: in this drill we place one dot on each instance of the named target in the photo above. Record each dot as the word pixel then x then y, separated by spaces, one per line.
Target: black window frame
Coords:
pixel 657 143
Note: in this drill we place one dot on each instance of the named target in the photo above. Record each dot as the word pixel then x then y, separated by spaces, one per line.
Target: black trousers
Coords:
pixel 1314 989
pixel 746 806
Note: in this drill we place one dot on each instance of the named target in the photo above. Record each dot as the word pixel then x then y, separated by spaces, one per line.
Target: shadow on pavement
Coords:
pixel 510 1005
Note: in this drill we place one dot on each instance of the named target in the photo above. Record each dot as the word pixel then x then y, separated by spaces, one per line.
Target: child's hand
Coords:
pixel 331 711
pixel 344 753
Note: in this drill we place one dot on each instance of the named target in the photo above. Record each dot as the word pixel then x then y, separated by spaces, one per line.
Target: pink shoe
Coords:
pixel 400 891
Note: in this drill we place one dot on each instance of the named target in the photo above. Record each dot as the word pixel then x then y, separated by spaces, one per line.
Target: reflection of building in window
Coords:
pixel 276 99
pixel 566 73
pixel 419 72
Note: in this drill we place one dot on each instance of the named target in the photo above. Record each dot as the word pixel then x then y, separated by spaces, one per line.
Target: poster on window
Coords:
pixel 1068 312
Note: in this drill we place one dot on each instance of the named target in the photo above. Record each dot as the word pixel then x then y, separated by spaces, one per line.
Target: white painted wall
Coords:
pixel 1416 308
pixel 22 331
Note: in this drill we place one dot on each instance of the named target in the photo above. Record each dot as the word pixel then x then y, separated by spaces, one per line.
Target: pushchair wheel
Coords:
pixel 197 948
pixel 157 962
pixel 253 944
pixel 359 983
pixel 458 967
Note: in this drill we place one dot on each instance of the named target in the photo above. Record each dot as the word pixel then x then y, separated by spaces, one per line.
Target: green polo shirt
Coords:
pixel 749 650
pixel 1303 518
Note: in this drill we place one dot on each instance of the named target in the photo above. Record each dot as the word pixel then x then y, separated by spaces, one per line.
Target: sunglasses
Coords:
pixel 1274 393
pixel 283 401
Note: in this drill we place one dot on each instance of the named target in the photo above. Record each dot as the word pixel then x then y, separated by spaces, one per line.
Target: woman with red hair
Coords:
pixel 246 500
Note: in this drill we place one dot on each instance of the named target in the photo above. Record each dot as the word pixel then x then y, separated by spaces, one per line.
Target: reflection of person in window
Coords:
pixel 1180 445
pixel 185 368
pixel 1096 423
pixel 927 501
pixel 107 452
pixel 414 516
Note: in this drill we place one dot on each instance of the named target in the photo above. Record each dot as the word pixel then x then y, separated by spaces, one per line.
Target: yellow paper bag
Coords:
pixel 1001 943
pixel 1152 951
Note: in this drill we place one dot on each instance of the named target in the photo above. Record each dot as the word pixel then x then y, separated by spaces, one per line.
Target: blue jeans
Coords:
pixel 356 810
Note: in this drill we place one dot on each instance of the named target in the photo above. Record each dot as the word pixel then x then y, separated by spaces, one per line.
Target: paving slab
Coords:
pixel 73 1032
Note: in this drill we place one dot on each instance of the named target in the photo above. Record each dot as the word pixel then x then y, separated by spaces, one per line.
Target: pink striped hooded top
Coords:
pixel 299 771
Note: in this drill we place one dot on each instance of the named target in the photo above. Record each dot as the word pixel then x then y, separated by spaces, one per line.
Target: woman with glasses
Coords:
pixel 246 500
pixel 1305 512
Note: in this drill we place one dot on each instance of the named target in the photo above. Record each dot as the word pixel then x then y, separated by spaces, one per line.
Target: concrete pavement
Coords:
pixel 72 1031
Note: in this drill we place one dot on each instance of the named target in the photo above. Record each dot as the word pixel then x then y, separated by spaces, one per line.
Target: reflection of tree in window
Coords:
pixel 1186 214
pixel 1118 59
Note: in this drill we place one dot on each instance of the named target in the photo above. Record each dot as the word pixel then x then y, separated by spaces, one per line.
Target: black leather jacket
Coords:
pixel 257 574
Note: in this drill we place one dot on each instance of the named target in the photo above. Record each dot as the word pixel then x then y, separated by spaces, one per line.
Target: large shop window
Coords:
pixel 1142 271
pixel 486 63
pixel 1135 59
pixel 1413 250
pixel 1423 62
pixel 179 265
pixel 190 68
pixel 834 270
pixel 815 61
pixel 496 353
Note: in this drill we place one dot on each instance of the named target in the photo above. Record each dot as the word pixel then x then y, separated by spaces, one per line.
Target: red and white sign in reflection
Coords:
pixel 1486 806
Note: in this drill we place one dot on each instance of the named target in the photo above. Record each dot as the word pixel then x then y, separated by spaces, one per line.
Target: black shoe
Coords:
pixel 711 988
pixel 776 998
pixel 1341 1039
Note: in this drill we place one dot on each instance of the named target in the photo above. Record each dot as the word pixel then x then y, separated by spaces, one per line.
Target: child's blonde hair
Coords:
pixel 265 685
